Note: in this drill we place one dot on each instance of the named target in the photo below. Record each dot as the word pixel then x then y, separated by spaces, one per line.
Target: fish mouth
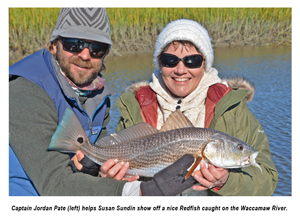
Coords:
pixel 246 161
pixel 250 161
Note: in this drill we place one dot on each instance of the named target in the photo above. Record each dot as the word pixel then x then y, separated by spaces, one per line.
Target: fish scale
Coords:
pixel 148 150
pixel 149 155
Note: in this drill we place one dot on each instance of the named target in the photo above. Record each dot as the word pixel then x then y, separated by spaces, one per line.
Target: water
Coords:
pixel 269 68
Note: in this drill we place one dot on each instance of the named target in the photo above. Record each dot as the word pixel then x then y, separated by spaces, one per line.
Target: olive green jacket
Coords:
pixel 233 117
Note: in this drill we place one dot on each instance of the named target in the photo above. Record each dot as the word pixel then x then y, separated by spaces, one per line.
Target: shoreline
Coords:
pixel 147 49
pixel 150 50
pixel 135 30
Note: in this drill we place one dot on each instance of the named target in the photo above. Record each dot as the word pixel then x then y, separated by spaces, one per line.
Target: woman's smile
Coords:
pixel 180 80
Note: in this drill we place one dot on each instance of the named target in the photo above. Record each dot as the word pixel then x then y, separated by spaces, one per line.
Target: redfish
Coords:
pixel 149 150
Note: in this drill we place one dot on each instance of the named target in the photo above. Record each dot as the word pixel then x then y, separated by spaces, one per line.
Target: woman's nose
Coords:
pixel 180 68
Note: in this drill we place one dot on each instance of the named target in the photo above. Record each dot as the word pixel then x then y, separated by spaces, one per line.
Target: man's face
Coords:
pixel 80 68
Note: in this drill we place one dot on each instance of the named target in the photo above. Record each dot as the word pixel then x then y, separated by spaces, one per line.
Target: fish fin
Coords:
pixel 194 166
pixel 135 132
pixel 198 159
pixel 205 161
pixel 176 120
pixel 69 134
pixel 217 136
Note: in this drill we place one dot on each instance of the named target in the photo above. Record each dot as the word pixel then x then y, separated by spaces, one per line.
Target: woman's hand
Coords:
pixel 211 177
pixel 115 170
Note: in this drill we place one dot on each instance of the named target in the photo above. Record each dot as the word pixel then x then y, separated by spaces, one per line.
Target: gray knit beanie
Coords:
pixel 188 30
pixel 83 23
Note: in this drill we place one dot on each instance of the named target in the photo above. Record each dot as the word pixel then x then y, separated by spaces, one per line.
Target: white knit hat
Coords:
pixel 189 30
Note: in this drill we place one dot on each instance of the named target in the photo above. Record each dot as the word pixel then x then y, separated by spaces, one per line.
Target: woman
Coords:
pixel 185 80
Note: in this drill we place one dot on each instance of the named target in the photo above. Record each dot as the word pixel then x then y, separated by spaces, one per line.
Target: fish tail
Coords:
pixel 69 135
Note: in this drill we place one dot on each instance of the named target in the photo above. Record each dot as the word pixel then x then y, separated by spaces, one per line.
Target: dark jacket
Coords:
pixel 232 116
pixel 39 94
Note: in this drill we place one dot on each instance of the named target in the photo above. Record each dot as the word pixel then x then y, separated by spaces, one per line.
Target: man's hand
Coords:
pixel 81 163
pixel 115 170
pixel 77 158
pixel 111 168
pixel 211 177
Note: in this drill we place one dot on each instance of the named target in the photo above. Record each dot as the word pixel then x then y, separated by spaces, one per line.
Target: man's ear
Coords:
pixel 103 58
pixel 106 54
pixel 54 46
pixel 55 43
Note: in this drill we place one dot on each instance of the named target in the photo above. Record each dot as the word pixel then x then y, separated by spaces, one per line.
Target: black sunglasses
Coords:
pixel 190 61
pixel 97 50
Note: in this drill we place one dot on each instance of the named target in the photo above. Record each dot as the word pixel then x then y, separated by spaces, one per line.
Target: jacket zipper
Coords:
pixel 90 120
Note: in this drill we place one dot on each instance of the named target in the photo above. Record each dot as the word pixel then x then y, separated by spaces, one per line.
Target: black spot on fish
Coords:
pixel 80 140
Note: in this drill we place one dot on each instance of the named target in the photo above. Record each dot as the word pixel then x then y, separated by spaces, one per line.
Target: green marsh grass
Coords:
pixel 136 29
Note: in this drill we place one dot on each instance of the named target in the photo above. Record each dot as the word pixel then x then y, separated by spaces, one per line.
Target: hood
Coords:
pixel 243 83
pixel 136 85
pixel 236 82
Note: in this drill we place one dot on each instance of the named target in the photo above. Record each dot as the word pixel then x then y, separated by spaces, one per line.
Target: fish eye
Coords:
pixel 240 147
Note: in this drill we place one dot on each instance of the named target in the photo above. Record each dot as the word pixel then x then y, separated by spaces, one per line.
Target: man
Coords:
pixel 42 86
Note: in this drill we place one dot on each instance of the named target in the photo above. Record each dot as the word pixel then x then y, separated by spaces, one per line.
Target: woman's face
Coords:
pixel 180 80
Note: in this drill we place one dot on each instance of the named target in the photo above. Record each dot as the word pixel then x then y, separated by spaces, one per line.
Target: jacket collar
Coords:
pixel 93 101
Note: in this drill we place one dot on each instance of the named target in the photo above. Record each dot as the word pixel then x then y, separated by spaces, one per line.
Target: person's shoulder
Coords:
pixel 18 84
pixel 134 87
pixel 241 83
pixel 26 91
pixel 241 93
pixel 130 92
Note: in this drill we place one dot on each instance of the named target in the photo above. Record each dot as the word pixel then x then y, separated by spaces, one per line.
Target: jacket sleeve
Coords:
pixel 32 121
pixel 130 111
pixel 241 123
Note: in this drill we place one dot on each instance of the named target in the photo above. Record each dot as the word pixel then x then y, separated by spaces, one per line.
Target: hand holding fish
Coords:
pixel 116 170
pixel 77 158
pixel 210 177
pixel 149 150
pixel 171 180
pixel 81 163
pixel 111 168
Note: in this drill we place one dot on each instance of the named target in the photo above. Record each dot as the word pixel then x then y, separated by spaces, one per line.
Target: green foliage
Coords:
pixel 136 29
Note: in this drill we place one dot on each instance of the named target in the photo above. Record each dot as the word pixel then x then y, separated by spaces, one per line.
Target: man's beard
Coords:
pixel 65 65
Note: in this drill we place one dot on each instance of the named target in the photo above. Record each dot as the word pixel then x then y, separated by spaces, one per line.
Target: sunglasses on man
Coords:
pixel 190 61
pixel 72 45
